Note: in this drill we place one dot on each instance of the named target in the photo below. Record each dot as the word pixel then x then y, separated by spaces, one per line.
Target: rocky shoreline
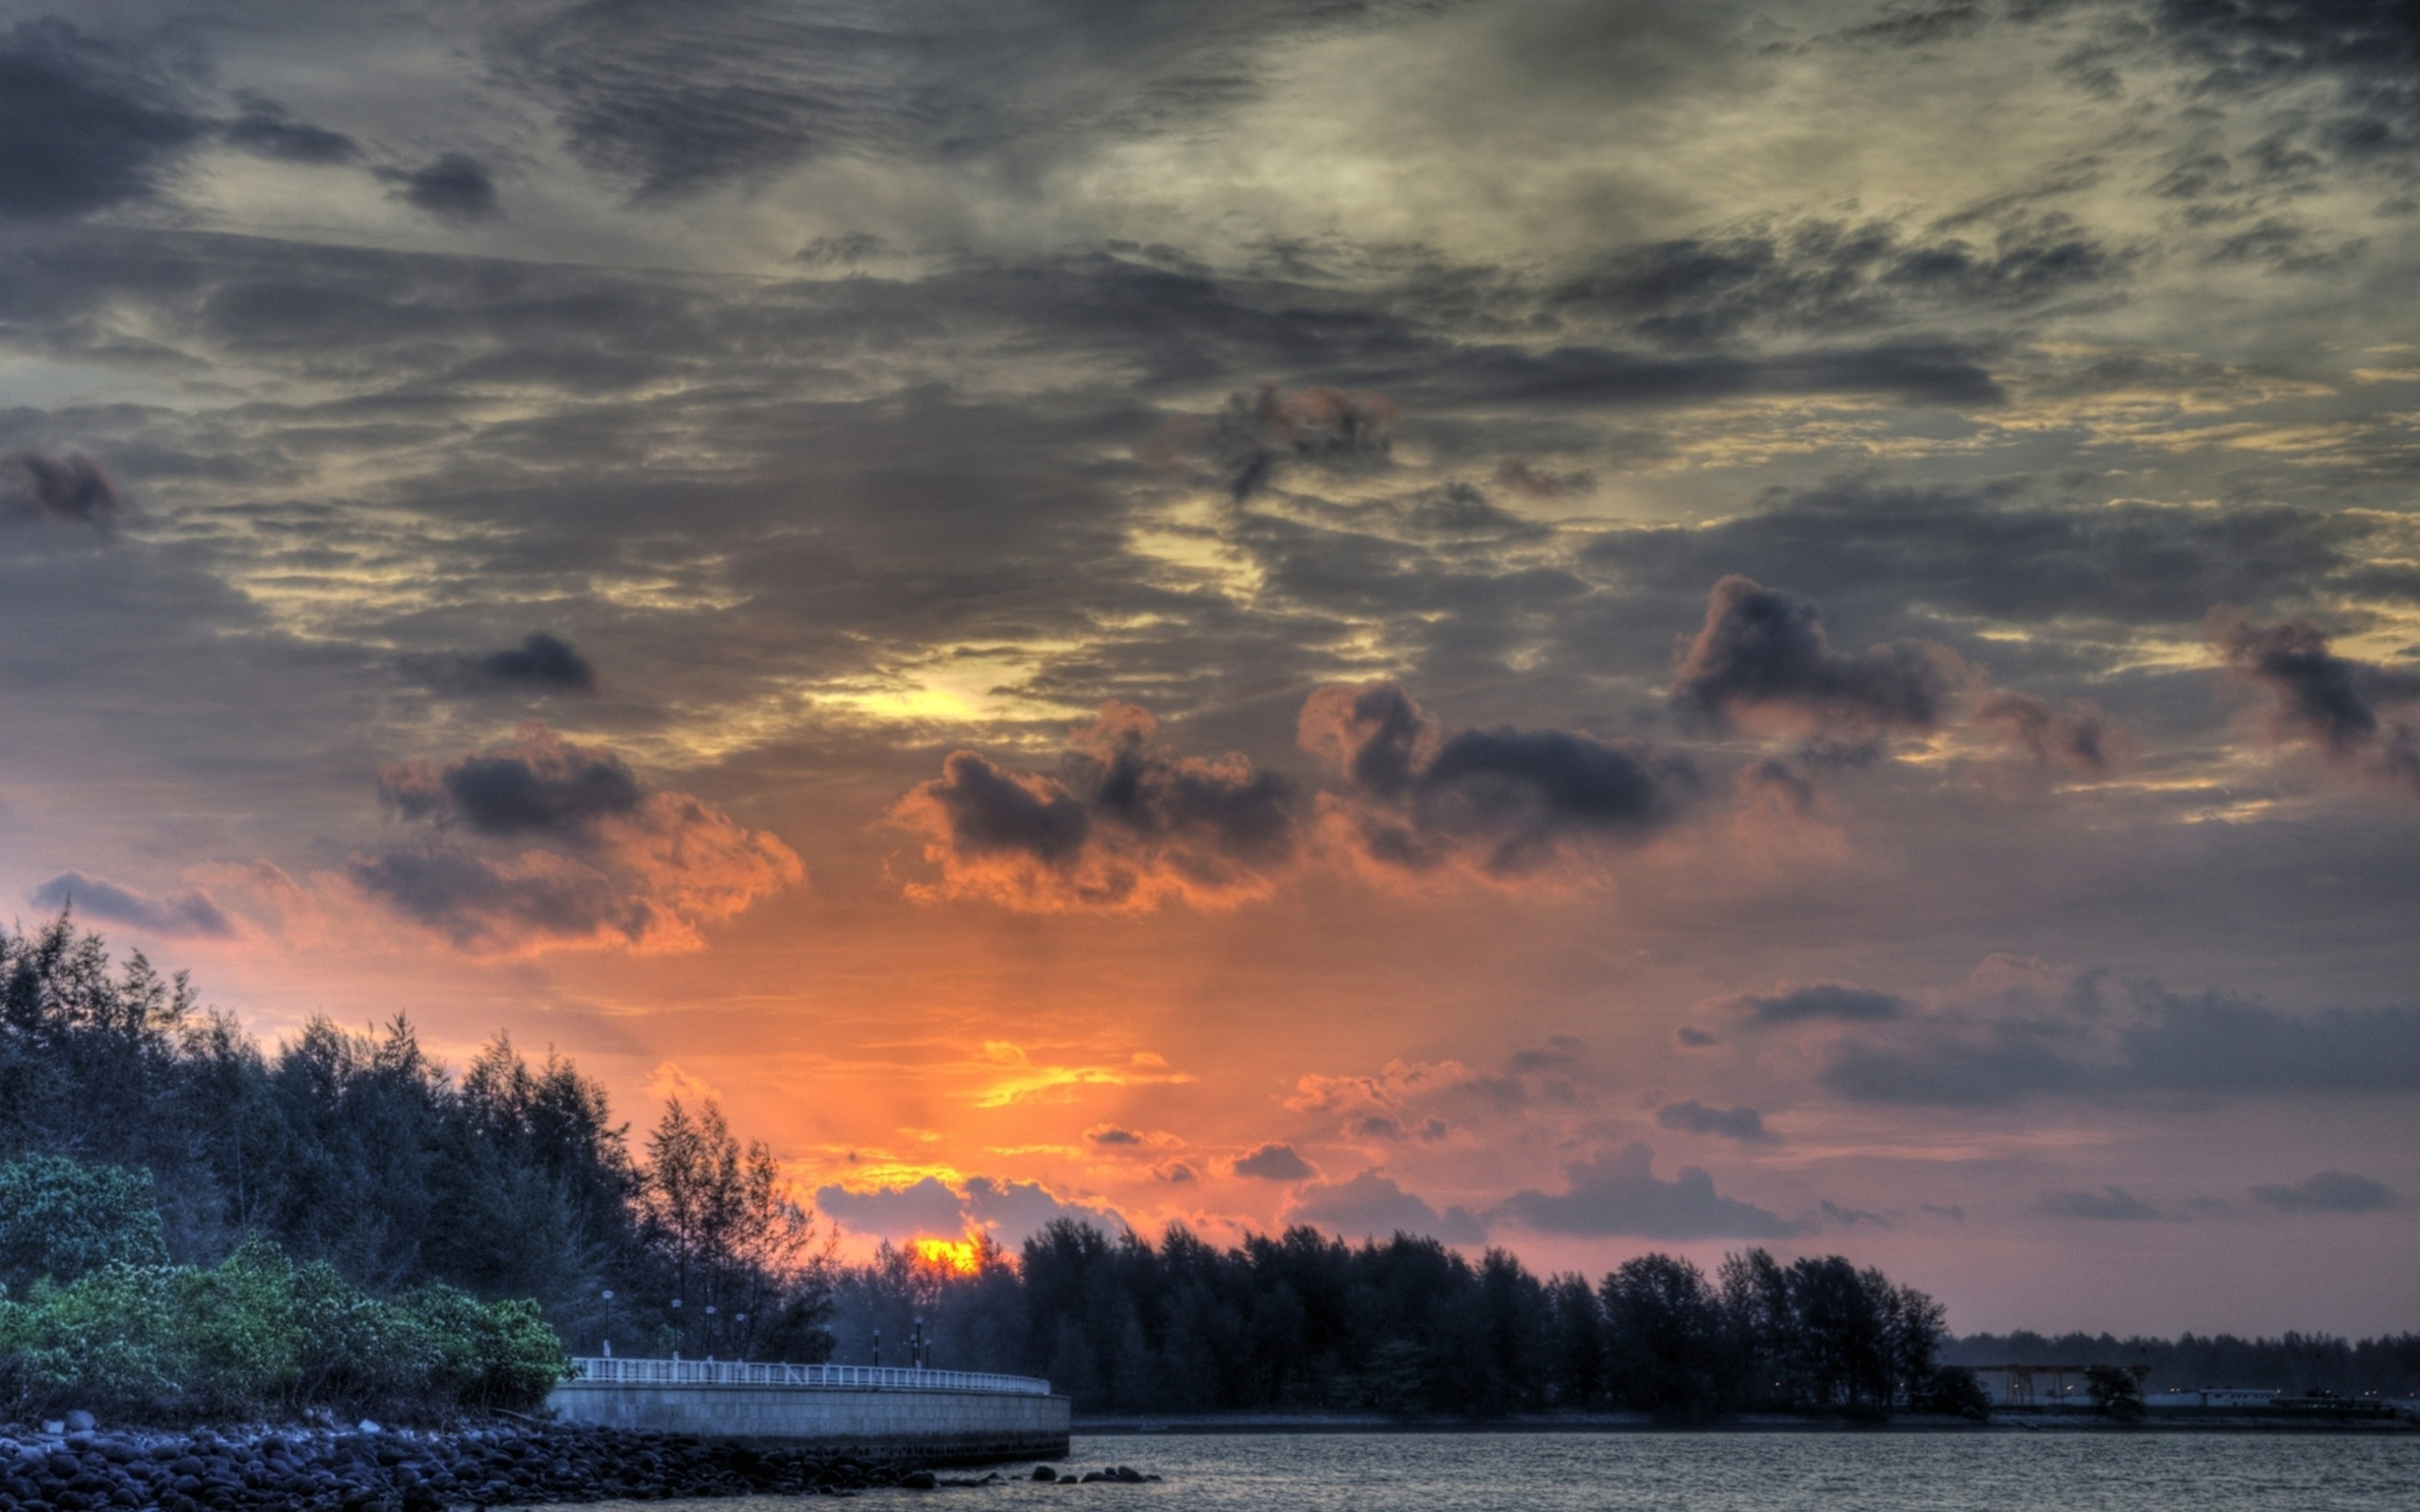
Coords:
pixel 372 1470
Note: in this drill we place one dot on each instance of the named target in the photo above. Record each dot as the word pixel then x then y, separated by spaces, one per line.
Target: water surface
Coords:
pixel 1708 1472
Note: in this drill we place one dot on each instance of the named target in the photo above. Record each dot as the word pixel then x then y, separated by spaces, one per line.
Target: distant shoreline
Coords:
pixel 2156 1422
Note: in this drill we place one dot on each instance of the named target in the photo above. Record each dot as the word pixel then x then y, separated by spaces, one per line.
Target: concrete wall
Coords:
pixel 928 1426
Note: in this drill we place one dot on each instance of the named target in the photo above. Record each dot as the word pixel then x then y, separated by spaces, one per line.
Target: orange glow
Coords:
pixel 960 1257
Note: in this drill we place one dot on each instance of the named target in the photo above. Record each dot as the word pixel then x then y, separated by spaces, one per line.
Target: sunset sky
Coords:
pixel 1585 625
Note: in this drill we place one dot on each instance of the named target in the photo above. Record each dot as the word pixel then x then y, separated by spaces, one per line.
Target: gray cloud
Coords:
pixel 2111 1204
pixel 1011 1210
pixel 1826 1001
pixel 2369 49
pixel 2330 1191
pixel 1373 1204
pixel 1112 1134
pixel 2152 1041
pixel 1821 276
pixel 1515 796
pixel 1616 1192
pixel 1125 823
pixel 2329 700
pixel 541 661
pixel 454 186
pixel 267 129
pixel 612 862
pixel 538 784
pixel 85 124
pixel 1763 650
pixel 1273 1162
pixel 1745 1124
pixel 674 102
pixel 2079 736
pixel 924 1207
pixel 1256 437
pixel 187 911
pixel 73 487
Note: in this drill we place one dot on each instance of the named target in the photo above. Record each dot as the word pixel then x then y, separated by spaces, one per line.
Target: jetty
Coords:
pixel 874 1412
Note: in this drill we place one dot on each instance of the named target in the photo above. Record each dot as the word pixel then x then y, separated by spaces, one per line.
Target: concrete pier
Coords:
pixel 932 1417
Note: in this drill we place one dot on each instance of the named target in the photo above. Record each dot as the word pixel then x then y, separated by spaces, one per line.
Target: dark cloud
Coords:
pixel 64 488
pixel 1828 276
pixel 1517 476
pixel 1273 1162
pixel 2368 49
pixel 541 661
pixel 189 912
pixel 267 130
pixel 675 101
pixel 538 784
pixel 1693 1038
pixel 1827 1002
pixel 483 903
pixel 1112 1134
pixel 1852 1218
pixel 1373 1204
pixel 1997 552
pixel 1256 437
pixel 2151 1041
pixel 2328 700
pixel 1762 651
pixel 1126 824
pixel 613 863
pixel 455 187
pixel 2080 736
pixel 1384 1126
pixel 921 1208
pixel 1418 796
pixel 1924 375
pixel 84 125
pixel 2330 1191
pixel 1616 1192
pixel 1010 1210
pixel 2110 1204
pixel 1745 1124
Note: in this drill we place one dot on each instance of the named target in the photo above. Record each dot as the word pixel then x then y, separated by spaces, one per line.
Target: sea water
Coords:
pixel 1714 1472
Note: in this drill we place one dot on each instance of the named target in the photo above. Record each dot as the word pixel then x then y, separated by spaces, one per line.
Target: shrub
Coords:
pixel 61 1219
pixel 258 1335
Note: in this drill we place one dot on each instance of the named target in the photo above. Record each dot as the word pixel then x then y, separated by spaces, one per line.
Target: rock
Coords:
pixel 1043 1473
pixel 366 1426
pixel 79 1421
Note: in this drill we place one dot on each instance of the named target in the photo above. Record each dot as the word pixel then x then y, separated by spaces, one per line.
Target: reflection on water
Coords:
pixel 1712 1472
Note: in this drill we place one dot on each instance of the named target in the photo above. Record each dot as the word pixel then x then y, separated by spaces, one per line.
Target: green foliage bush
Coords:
pixel 61 1219
pixel 257 1335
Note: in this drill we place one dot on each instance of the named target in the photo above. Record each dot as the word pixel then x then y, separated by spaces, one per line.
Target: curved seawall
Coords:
pixel 933 1417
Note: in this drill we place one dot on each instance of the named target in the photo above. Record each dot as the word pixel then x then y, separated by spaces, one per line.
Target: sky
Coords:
pixel 1592 626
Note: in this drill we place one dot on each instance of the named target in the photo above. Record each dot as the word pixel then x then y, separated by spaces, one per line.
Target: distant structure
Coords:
pixel 2214 1397
pixel 931 1417
pixel 2044 1385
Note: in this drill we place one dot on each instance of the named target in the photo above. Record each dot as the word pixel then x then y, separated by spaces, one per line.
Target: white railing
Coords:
pixel 626 1372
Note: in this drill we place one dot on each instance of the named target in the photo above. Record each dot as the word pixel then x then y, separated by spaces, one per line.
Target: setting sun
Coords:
pixel 960 1257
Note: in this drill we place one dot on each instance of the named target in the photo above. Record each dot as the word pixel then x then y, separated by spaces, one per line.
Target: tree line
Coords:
pixel 1303 1322
pixel 360 1154
pixel 2387 1365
